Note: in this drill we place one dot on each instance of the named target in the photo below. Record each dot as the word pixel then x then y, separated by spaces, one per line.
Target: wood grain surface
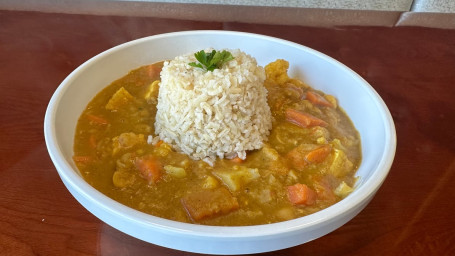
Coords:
pixel 412 68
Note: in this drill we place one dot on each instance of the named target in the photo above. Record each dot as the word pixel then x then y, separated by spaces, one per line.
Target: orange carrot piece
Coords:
pixel 149 167
pixel 237 160
pixel 92 141
pixel 82 159
pixel 318 155
pixel 303 119
pixel 152 70
pixel 297 90
pixel 97 119
pixel 324 189
pixel 159 143
pixel 301 194
pixel 297 158
pixel 317 99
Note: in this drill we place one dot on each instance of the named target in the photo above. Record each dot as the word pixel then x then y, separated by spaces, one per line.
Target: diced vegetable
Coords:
pixel 321 140
pixel 237 177
pixel 210 183
pixel 280 167
pixel 92 141
pixel 301 194
pixel 209 203
pixel 320 132
pixel 237 160
pixel 97 119
pixel 152 70
pixel 343 189
pixel 266 195
pixel 331 99
pixel 293 91
pixel 273 161
pixel 336 143
pixel 340 163
pixel 318 155
pixel 120 98
pixel 126 161
pixel 185 163
pixel 292 176
pixel 324 190
pixel 285 213
pixel 149 167
pixel 270 153
pixel 122 179
pixel 82 159
pixel 303 119
pixel 297 156
pixel 317 99
pixel 126 141
pixel 163 149
pixel 151 94
pixel 175 171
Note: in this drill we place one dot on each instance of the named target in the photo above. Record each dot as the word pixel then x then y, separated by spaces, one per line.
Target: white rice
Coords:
pixel 222 113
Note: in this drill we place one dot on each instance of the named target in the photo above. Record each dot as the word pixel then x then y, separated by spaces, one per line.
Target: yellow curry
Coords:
pixel 307 164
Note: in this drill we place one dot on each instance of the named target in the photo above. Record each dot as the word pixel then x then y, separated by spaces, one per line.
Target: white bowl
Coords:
pixel 363 105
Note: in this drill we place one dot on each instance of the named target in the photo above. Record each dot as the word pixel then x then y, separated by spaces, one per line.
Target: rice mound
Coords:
pixel 207 114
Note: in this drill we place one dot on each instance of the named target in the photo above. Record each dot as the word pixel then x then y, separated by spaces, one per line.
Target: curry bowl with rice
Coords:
pixel 230 149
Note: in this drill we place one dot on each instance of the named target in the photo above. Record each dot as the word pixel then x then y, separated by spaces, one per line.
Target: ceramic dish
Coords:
pixel 363 105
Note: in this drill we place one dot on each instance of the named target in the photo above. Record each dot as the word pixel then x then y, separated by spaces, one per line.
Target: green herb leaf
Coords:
pixel 196 65
pixel 212 60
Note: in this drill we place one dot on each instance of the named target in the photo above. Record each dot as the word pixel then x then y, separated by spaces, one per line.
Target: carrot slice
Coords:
pixel 317 99
pixel 318 155
pixel 97 119
pixel 301 194
pixel 237 160
pixel 159 143
pixel 149 167
pixel 324 189
pixel 297 158
pixel 152 70
pixel 92 141
pixel 82 159
pixel 303 119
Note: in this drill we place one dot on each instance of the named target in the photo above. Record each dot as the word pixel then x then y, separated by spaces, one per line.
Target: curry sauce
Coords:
pixel 308 163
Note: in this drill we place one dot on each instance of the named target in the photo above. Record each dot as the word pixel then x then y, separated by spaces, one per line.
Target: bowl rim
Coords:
pixel 359 196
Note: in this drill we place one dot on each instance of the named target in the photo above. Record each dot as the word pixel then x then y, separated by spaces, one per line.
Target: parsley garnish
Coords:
pixel 212 60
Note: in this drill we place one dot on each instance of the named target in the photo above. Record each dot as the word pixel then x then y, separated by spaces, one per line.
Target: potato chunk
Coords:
pixel 126 141
pixel 237 177
pixel 122 179
pixel 210 183
pixel 120 98
pixel 209 203
pixel 343 190
pixel 174 171
pixel 269 153
pixel 340 165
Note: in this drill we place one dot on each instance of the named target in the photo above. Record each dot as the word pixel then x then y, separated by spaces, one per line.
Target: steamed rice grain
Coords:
pixel 207 114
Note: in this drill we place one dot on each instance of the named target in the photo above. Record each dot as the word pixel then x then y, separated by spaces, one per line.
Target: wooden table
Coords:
pixel 413 69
